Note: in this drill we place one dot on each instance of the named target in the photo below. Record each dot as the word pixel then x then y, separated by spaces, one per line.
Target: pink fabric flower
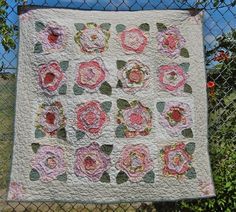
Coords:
pixel 91 119
pixel 134 76
pixel 16 191
pixel 133 40
pixel 49 162
pixel 54 37
pixel 172 78
pixel 137 119
pixel 170 42
pixel 135 161
pixel 176 117
pixel 90 75
pixel 51 77
pixel 91 162
pixel 176 160
pixel 206 188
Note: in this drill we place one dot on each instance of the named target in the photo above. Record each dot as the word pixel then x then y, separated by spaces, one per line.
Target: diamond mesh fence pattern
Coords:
pixel 220 48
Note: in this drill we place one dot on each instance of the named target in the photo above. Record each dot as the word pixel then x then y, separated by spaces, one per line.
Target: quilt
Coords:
pixel 110 107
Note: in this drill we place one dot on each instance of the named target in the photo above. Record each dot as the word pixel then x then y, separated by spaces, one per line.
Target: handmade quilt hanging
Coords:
pixel 110 107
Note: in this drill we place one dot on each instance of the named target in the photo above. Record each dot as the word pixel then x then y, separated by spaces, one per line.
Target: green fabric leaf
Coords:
pixel 190 148
pixel 105 178
pixel 38 48
pixel 64 65
pixel 106 106
pixel 120 131
pixel 39 133
pixel 185 66
pixel 184 53
pixel 34 175
pixel 119 84
pixel 160 106
pixel 121 177
pixel 120 64
pixel 122 104
pixel 79 26
pixel 187 88
pixel 35 147
pixel 144 27
pixel 105 89
pixel 39 26
pixel 78 90
pixel 188 133
pixel 62 177
pixel 120 28
pixel 161 27
pixel 106 26
pixel 149 177
pixel 62 90
pixel 61 134
pixel 191 173
pixel 79 135
pixel 106 148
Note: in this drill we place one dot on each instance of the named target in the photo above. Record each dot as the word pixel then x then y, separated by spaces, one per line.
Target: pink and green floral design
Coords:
pixel 135 164
pixel 51 77
pixel 91 76
pixel 16 191
pixel 91 162
pixel 173 77
pixel 206 188
pixel 170 41
pixel 52 37
pixel 92 38
pixel 176 118
pixel 91 118
pixel 133 76
pixel 177 160
pixel 48 164
pixel 50 121
pixel 133 118
pixel 133 39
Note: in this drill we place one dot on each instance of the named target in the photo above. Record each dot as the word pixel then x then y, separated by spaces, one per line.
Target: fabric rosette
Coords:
pixel 91 118
pixel 133 76
pixel 133 118
pixel 91 76
pixel 48 163
pixel 92 38
pixel 50 121
pixel 52 37
pixel 177 160
pixel 52 78
pixel 176 118
pixel 135 164
pixel 16 191
pixel 133 39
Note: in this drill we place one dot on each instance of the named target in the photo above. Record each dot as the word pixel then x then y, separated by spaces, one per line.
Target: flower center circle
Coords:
pixel 93 37
pixel 171 41
pixel 52 38
pixel 136 118
pixel 89 163
pixel 90 118
pixel 50 118
pixel 135 75
pixel 51 162
pixel 176 115
pixel 49 78
pixel 90 74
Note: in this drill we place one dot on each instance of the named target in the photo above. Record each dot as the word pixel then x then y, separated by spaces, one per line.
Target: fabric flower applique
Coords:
pixel 135 164
pixel 133 39
pixel 52 37
pixel 93 162
pixel 52 78
pixel 173 77
pixel 134 119
pixel 206 188
pixel 176 118
pixel 91 118
pixel 92 38
pixel 16 191
pixel 177 160
pixel 91 77
pixel 50 121
pixel 133 76
pixel 170 41
pixel 48 163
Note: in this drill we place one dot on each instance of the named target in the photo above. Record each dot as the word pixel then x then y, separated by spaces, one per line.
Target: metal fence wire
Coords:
pixel 219 23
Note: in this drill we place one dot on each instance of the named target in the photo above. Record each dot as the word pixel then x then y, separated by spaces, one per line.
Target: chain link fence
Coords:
pixel 220 46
